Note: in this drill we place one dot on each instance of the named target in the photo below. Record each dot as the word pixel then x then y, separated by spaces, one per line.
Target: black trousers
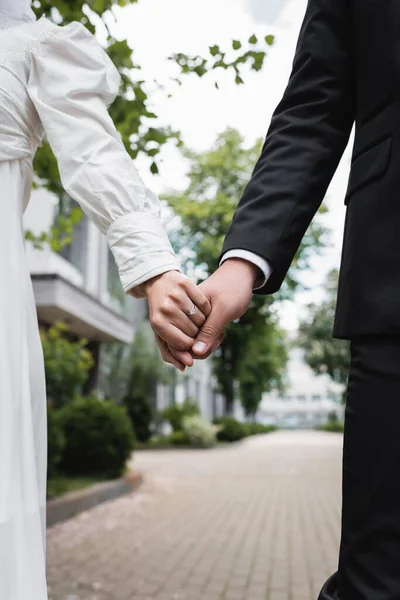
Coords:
pixel 369 559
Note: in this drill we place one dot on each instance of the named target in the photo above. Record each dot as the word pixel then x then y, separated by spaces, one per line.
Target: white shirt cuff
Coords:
pixel 264 265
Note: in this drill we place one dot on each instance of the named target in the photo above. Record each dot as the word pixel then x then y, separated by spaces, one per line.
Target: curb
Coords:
pixel 73 503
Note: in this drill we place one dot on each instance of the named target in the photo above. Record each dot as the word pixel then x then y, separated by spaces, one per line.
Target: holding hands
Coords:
pixel 189 320
pixel 178 308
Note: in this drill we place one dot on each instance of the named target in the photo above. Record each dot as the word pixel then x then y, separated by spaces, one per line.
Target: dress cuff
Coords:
pixel 141 249
pixel 264 266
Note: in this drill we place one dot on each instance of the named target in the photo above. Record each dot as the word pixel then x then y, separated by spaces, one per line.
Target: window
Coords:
pixel 171 395
pixel 301 397
pixel 76 251
pixel 117 294
pixel 316 397
pixel 186 386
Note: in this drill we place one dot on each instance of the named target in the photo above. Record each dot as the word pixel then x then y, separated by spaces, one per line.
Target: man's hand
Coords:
pixel 229 291
pixel 170 297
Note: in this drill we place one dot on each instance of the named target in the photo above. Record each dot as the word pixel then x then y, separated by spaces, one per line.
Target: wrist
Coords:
pixel 247 272
pixel 147 286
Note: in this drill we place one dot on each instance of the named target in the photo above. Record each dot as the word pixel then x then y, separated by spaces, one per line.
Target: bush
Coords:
pixel 176 413
pixel 332 417
pixel 333 427
pixel 55 442
pixel 199 432
pixel 231 430
pixel 175 439
pixel 99 438
pixel 258 428
pixel 67 364
pixel 179 438
pixel 141 414
pixel 156 441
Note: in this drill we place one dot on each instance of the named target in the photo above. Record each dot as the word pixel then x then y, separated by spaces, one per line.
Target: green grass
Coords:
pixel 155 442
pixel 337 427
pixel 166 444
pixel 61 485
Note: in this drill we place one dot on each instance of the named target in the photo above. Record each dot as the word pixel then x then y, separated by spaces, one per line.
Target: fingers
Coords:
pixel 210 334
pixel 210 351
pixel 167 355
pixel 181 356
pixel 185 323
pixel 173 310
pixel 198 298
pixel 197 317
pixel 187 358
pixel 172 300
pixel 171 334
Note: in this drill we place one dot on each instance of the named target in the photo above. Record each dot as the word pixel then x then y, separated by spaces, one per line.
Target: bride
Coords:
pixel 58 81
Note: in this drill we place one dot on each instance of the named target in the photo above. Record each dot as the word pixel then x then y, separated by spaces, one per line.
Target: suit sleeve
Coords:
pixel 307 136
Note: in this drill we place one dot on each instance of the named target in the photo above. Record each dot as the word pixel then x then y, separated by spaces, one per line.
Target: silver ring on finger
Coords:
pixel 192 311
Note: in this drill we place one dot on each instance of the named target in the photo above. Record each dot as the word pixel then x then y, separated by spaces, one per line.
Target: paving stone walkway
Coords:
pixel 256 521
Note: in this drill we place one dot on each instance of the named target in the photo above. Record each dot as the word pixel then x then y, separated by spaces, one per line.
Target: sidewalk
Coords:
pixel 256 521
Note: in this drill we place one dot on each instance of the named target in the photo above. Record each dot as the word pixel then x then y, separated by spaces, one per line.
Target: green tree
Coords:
pixel 176 413
pixel 263 366
pixel 323 353
pixel 134 371
pixel 132 113
pixel 67 363
pixel 146 370
pixel 216 180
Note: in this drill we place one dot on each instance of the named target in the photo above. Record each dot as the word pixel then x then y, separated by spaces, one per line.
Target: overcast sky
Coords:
pixel 267 11
pixel 158 28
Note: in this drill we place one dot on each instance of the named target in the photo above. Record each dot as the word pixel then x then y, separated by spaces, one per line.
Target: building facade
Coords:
pixel 197 385
pixel 308 400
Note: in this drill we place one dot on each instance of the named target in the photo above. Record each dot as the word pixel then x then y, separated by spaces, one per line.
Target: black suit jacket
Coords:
pixel 346 69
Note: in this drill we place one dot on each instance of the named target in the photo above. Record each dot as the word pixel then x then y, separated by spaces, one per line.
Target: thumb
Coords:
pixel 210 334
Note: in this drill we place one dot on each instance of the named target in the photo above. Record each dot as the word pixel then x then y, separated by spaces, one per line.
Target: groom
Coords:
pixel 346 69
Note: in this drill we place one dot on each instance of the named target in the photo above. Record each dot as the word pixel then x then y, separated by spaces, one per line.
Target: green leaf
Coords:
pixel 253 39
pixel 258 61
pixel 214 50
pixel 200 70
pixel 236 44
pixel 238 80
pixel 269 39
pixel 220 64
pixel 154 168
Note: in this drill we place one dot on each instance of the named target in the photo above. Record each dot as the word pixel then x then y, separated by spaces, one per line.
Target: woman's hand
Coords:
pixel 172 296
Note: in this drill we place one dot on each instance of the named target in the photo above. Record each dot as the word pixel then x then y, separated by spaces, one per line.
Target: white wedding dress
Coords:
pixel 57 81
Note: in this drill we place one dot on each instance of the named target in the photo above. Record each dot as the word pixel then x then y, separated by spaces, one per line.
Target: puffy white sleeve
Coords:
pixel 71 83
